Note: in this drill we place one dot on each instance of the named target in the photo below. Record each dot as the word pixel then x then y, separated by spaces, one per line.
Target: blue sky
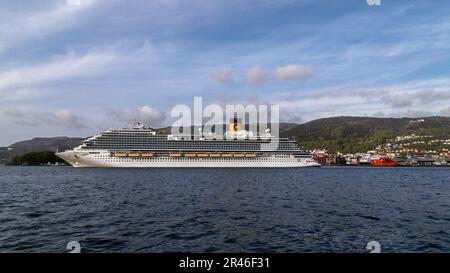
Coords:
pixel 77 69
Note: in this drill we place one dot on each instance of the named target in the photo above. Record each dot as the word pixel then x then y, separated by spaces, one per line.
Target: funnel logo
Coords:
pixel 235 125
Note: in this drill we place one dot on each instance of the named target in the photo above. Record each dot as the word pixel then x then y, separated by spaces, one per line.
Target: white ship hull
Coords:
pixel 106 160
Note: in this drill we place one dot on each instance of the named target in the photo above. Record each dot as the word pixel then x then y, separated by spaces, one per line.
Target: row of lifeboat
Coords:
pixel 211 155
pixel 146 154
pixel 133 154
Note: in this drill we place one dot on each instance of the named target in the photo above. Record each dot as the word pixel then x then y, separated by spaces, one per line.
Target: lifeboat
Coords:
pixel 238 155
pixel 146 154
pixel 250 155
pixel 190 155
pixel 175 154
pixel 203 155
pixel 214 155
pixel 227 155
pixel 383 162
pixel 121 154
pixel 134 154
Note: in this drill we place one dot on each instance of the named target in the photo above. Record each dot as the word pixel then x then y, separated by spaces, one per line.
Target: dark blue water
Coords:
pixel 231 210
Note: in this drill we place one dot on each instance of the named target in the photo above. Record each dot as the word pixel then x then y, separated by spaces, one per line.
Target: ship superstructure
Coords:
pixel 138 146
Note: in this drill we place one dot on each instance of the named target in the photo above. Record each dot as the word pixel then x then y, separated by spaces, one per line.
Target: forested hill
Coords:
pixel 356 134
pixel 343 134
pixel 38 144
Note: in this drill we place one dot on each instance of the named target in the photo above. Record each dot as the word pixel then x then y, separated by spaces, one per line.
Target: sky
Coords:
pixel 77 67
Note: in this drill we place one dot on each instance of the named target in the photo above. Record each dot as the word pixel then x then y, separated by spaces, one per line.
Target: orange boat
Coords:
pixel 383 162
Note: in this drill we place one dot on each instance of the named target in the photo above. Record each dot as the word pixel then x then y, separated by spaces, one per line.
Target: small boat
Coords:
pixel 121 154
pixel 202 155
pixel 340 160
pixel 250 155
pixel 134 154
pixel 322 159
pixel 146 154
pixel 238 155
pixel 383 162
pixel 190 155
pixel 175 154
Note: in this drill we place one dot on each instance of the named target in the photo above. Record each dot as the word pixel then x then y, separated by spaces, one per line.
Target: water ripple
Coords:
pixel 224 210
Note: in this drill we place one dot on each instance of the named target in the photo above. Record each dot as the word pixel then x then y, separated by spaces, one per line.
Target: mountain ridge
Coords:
pixel 356 134
pixel 342 133
pixel 38 144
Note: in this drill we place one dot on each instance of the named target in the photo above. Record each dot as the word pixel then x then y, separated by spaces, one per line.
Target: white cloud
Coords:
pixel 20 94
pixel 66 67
pixel 379 114
pixel 144 114
pixel 291 116
pixel 34 25
pixel 293 72
pixel 410 114
pixel 223 75
pixel 427 93
pixel 256 75
pixel 410 99
pixel 63 118
pixel 398 100
pixel 445 112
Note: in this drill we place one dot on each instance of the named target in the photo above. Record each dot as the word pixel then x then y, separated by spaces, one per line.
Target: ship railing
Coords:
pixel 217 137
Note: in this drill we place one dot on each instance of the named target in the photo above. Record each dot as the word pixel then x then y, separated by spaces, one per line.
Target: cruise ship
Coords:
pixel 138 146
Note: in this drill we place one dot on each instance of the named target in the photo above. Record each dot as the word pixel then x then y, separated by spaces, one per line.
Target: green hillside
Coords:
pixel 38 144
pixel 343 134
pixel 357 134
